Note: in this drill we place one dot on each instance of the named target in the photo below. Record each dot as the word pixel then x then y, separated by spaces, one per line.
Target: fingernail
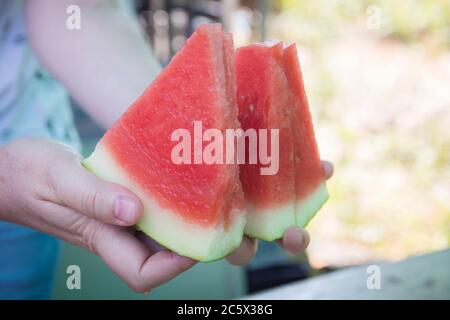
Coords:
pixel 125 209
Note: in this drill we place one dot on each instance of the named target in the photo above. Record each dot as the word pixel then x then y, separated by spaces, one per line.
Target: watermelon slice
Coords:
pixel 196 210
pixel 271 95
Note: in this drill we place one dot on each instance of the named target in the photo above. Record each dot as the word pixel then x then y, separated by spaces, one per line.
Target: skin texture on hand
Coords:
pixel 44 186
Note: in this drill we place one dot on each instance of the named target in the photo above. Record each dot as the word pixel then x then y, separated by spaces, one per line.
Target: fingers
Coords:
pixel 162 267
pixel 245 253
pixel 328 169
pixel 58 221
pixel 75 187
pixel 294 240
pixel 134 262
pixel 119 248
pixel 149 242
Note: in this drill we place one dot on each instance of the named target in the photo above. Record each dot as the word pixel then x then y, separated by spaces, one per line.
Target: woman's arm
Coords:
pixel 105 65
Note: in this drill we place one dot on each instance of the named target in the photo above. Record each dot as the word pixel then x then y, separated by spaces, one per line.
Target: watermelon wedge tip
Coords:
pixel 271 95
pixel 196 210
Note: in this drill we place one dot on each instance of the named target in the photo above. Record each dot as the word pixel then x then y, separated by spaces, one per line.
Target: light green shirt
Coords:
pixel 32 103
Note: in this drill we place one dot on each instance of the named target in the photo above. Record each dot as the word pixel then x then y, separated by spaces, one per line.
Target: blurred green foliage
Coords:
pixel 408 20
pixel 377 74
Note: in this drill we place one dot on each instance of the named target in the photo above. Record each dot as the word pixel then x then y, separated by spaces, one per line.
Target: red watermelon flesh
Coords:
pixel 310 188
pixel 271 95
pixel 196 210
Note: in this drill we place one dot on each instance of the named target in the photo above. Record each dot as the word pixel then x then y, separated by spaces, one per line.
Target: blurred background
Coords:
pixel 377 74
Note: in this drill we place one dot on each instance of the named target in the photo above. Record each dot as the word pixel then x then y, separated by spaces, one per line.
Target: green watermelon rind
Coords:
pixel 307 208
pixel 206 244
pixel 270 224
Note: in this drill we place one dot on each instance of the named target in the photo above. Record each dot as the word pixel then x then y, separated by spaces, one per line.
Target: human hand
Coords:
pixel 294 240
pixel 44 186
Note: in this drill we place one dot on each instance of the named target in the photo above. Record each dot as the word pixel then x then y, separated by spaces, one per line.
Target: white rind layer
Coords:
pixel 308 207
pixel 165 226
pixel 271 223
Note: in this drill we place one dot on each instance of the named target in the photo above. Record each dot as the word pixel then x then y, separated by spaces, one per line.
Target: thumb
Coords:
pixel 75 187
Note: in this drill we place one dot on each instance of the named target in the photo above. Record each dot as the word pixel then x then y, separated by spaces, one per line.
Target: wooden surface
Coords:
pixel 420 277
